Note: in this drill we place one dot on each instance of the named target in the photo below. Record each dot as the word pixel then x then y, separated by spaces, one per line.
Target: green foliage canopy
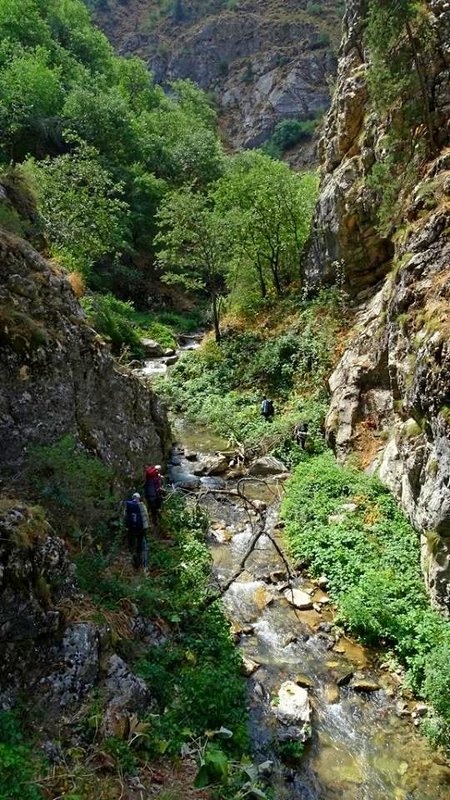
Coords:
pixel 268 211
pixel 128 141
pixel 84 214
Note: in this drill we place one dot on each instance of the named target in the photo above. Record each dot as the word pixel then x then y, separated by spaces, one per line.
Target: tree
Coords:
pixel 398 37
pixel 84 215
pixel 268 209
pixel 31 97
pixel 193 244
pixel 103 118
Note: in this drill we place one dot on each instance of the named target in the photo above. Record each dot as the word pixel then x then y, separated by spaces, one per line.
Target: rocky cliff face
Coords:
pixel 391 390
pixel 58 377
pixel 265 61
pixel 52 646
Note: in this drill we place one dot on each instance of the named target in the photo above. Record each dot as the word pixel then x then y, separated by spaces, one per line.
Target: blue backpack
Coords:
pixel 133 515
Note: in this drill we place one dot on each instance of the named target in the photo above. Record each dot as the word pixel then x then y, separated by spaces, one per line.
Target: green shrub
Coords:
pixel 290 132
pixel 371 558
pixel 122 755
pixel 73 486
pixel 112 318
pixel 19 768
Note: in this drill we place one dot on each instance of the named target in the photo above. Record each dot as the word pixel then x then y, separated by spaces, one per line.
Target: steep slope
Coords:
pixel 264 61
pixel 57 376
pixel 391 390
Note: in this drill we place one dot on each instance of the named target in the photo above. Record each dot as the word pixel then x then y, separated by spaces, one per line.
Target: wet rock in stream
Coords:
pixel 294 712
pixel 298 599
pixel 267 465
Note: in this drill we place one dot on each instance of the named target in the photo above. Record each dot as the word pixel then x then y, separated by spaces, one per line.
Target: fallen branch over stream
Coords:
pixel 258 530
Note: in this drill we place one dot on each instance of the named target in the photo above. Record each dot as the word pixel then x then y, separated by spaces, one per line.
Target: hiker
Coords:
pixel 300 433
pixel 138 523
pixel 153 492
pixel 267 409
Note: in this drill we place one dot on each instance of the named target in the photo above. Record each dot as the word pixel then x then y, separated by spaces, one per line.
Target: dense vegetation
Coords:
pixel 111 159
pixel 286 350
pixel 102 143
pixel 346 525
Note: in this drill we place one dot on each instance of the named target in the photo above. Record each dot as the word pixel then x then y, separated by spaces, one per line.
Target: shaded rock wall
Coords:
pixel 50 647
pixel 57 376
pixel 391 390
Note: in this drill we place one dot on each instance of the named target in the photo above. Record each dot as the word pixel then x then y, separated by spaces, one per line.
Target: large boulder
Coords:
pixel 183 480
pixel 298 599
pixel 293 711
pixel 127 695
pixel 267 465
pixel 151 348
pixel 76 660
pixel 216 465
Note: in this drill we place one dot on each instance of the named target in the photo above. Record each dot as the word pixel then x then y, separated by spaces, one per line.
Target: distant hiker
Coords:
pixel 300 433
pixel 138 523
pixel 153 492
pixel 267 409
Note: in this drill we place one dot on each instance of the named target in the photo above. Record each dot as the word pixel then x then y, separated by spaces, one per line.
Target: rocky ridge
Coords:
pixel 264 61
pixel 391 390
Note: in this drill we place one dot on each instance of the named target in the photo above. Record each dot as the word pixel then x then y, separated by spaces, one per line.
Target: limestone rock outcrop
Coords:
pixel 58 377
pixel 391 389
pixel 265 60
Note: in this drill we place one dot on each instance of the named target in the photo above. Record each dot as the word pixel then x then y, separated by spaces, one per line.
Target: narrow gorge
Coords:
pixel 171 255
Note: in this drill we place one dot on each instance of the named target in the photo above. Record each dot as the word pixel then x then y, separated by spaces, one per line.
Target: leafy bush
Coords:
pixel 73 486
pixel 370 555
pixel 290 132
pixel 18 765
pixel 112 319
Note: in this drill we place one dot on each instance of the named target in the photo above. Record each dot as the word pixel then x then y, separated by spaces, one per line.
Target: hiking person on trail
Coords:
pixel 267 409
pixel 138 523
pixel 153 492
pixel 300 433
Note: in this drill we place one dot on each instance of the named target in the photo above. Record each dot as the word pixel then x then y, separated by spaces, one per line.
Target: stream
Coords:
pixel 364 742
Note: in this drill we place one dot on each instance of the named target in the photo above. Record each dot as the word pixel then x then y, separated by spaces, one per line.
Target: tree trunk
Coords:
pixel 262 283
pixel 216 317
pixel 276 277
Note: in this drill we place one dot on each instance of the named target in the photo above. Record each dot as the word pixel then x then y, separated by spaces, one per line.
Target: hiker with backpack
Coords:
pixel 300 433
pixel 137 523
pixel 267 409
pixel 153 491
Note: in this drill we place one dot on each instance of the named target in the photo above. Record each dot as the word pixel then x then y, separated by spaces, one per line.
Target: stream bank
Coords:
pixel 364 743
